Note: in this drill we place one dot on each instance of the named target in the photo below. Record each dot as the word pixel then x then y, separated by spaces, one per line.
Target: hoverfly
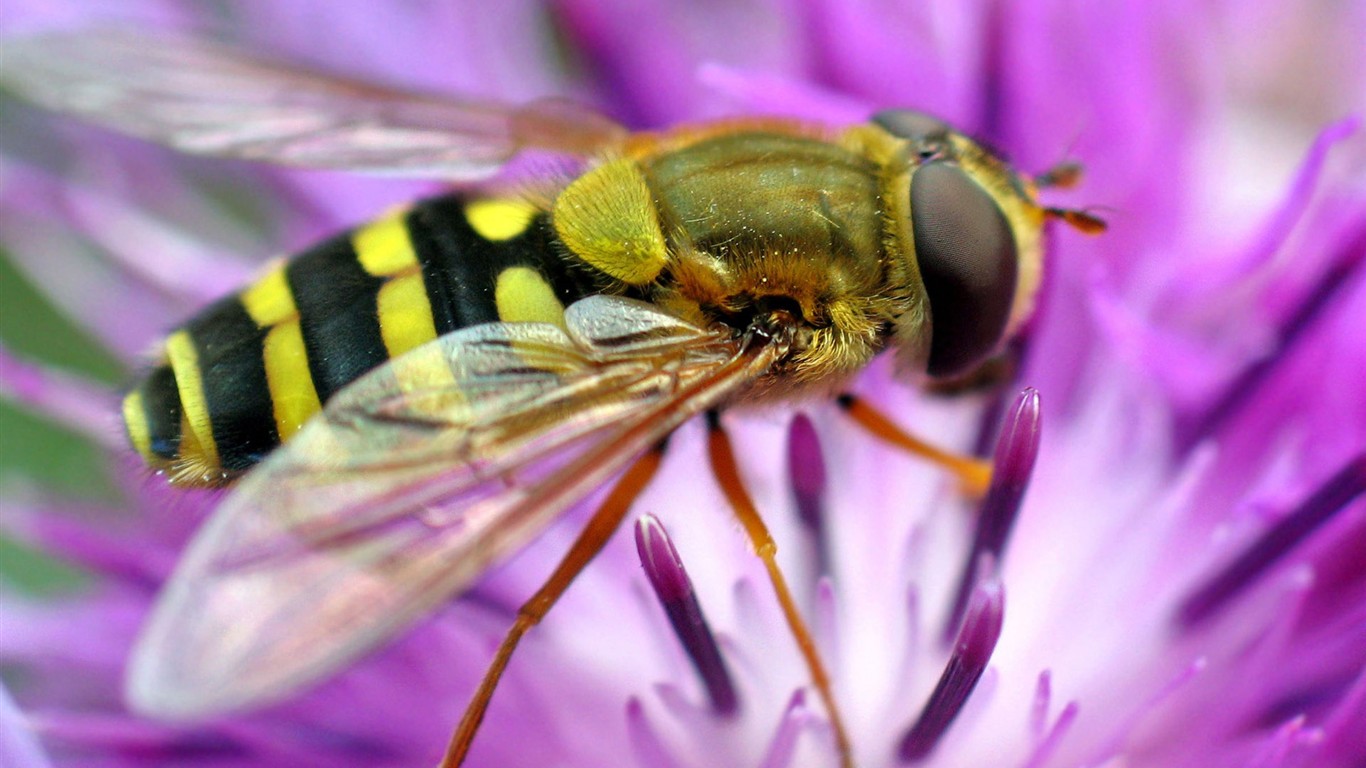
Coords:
pixel 406 404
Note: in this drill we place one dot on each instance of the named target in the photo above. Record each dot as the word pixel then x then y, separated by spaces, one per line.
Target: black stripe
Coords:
pixel 425 224
pixel 460 268
pixel 569 277
pixel 338 314
pixel 232 367
pixel 161 404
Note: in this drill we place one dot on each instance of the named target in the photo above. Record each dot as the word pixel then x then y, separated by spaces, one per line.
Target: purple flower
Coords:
pixel 1168 570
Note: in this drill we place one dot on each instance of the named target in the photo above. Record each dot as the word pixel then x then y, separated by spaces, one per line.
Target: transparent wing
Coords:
pixel 208 98
pixel 412 482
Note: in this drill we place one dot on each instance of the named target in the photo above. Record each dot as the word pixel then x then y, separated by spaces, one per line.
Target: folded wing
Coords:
pixel 203 97
pixel 411 483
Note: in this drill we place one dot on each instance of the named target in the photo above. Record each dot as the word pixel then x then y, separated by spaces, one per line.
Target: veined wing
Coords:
pixel 207 98
pixel 410 484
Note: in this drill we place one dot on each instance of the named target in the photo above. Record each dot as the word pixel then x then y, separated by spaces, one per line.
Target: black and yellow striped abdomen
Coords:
pixel 243 375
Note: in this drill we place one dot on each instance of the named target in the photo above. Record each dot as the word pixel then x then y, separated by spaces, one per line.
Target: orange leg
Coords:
pixel 596 534
pixel 728 475
pixel 974 475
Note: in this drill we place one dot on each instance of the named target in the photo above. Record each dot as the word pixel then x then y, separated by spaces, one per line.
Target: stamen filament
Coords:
pixel 1016 451
pixel 589 542
pixel 80 405
pixel 727 473
pixel 1333 283
pixel 806 468
pixel 1275 543
pixel 674 589
pixel 972 650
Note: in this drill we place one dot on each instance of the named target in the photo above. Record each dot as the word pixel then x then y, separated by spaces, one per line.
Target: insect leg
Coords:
pixel 973 474
pixel 728 475
pixel 595 534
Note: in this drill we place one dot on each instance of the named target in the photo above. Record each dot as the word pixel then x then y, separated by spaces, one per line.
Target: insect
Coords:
pixel 408 403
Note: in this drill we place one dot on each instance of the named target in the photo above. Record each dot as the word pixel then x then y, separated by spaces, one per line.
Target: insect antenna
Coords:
pixel 727 473
pixel 1080 220
pixel 1066 175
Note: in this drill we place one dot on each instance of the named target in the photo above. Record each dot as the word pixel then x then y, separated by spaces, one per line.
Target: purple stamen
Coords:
pixel 135 740
pixel 971 652
pixel 1043 698
pixel 1274 544
pixel 990 421
pixel 806 467
pixel 645 742
pixel 1305 698
pixel 1049 744
pixel 1294 734
pixel 675 592
pixel 1342 728
pixel 995 49
pixel 75 541
pixel 1296 201
pixel 1016 450
pixel 783 746
pixel 1238 393
pixel 140 742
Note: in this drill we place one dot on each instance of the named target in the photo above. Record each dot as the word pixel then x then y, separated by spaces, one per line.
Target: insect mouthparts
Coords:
pixel 780 328
pixel 780 305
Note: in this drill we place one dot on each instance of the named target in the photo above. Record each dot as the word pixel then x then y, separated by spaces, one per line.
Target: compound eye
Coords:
pixel 928 134
pixel 910 124
pixel 967 259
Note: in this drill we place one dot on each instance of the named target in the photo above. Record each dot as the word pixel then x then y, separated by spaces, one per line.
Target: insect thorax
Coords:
pixel 737 224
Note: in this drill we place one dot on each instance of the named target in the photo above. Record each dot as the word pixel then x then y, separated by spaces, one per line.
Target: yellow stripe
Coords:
pixel 139 433
pixel 384 247
pixel 405 316
pixel 185 362
pixel 293 397
pixel 268 301
pixel 523 296
pixel 499 219
pixel 429 385
pixel 292 393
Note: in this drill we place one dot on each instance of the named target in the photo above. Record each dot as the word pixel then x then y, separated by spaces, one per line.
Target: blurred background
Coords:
pixel 1282 70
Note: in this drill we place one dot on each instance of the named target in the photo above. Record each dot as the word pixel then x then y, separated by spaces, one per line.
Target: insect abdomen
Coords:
pixel 246 373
